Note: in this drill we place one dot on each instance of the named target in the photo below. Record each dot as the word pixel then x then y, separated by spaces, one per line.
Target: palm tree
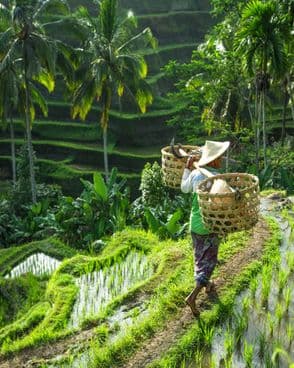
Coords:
pixel 9 91
pixel 111 64
pixel 26 48
pixel 261 47
pixel 286 12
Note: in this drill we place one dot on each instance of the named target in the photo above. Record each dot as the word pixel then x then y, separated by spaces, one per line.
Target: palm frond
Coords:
pixel 6 38
pixel 5 17
pixel 46 7
pixel 45 79
pixel 108 18
pixel 39 99
pixel 69 26
pixel 45 51
pixel 83 99
pixel 8 59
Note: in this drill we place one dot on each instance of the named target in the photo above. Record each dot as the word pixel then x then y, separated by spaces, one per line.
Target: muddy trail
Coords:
pixel 162 340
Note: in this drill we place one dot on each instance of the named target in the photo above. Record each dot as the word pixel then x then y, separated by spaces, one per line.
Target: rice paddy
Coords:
pixel 259 331
pixel 39 264
pixel 116 298
pixel 98 288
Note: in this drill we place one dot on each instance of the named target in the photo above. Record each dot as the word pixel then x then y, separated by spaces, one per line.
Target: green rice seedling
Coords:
pixel 287 298
pixel 262 344
pixel 229 344
pixel 245 305
pixel 266 285
pixel 290 261
pixel 198 358
pixel 241 324
pixel 207 333
pixel 268 361
pixel 279 313
pixel 248 355
pixel 282 279
pixel 183 364
pixel 290 334
pixel 253 287
pixel 280 355
pixel 228 362
pixel 213 361
pixel 271 324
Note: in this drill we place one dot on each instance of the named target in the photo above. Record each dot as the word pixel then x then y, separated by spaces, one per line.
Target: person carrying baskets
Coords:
pixel 205 243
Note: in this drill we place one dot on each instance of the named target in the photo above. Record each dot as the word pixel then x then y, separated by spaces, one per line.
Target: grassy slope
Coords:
pixel 166 296
pixel 23 299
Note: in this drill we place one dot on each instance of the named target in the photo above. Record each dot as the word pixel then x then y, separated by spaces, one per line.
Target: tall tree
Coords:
pixel 25 47
pixel 9 94
pixel 260 43
pixel 112 64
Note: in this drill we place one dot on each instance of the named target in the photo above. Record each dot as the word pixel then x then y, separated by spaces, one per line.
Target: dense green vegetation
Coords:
pixel 93 245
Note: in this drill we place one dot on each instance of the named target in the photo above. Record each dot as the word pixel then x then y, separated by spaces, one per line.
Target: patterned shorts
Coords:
pixel 205 256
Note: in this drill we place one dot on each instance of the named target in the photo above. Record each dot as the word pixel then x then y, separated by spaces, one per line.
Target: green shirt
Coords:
pixel 190 182
pixel 196 223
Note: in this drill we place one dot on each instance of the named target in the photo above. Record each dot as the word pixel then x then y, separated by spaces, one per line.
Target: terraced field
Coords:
pixel 67 148
pixel 125 305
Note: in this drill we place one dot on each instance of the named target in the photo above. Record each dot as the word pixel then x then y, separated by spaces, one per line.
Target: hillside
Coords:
pixel 68 149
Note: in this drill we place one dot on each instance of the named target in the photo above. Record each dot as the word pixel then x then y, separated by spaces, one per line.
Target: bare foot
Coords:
pixel 192 306
pixel 210 287
pixel 190 300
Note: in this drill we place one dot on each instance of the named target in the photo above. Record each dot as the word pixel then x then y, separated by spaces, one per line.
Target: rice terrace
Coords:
pixel 146 184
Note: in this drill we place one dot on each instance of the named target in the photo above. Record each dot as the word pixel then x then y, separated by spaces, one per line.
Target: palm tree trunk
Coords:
pixel 291 96
pixel 283 135
pixel 106 168
pixel 256 129
pixel 28 133
pixel 263 128
pixel 12 151
pixel 258 120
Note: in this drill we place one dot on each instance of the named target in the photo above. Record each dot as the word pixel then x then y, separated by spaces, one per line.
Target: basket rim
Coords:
pixel 164 149
pixel 226 195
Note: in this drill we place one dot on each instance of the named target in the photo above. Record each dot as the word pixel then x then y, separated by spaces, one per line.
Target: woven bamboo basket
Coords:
pixel 230 212
pixel 173 167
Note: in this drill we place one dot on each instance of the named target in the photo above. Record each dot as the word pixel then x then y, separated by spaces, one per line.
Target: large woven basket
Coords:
pixel 230 212
pixel 173 167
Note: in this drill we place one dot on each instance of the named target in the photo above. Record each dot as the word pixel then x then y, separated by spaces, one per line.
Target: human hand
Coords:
pixel 190 162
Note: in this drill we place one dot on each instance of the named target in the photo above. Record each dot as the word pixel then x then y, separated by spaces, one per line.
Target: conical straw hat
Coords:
pixel 211 151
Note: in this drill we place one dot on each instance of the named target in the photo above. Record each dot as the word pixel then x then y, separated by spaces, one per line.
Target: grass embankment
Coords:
pixel 68 176
pixel 166 299
pixel 172 27
pixel 62 290
pixel 10 257
pixel 195 338
pixel 17 296
pixel 22 298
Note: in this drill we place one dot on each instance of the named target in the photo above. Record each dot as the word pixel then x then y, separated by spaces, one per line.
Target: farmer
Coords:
pixel 205 244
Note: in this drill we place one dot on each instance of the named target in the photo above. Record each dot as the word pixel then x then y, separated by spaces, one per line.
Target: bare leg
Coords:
pixel 190 300
pixel 210 286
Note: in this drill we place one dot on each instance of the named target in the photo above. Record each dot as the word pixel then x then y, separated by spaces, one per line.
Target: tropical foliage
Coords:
pixel 29 57
pixel 111 64
pixel 226 84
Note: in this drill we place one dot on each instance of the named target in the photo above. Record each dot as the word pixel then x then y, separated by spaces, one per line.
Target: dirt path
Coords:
pixel 161 341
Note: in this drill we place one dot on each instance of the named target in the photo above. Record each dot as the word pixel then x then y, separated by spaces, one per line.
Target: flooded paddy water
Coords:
pixel 38 264
pixel 98 288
